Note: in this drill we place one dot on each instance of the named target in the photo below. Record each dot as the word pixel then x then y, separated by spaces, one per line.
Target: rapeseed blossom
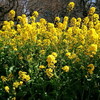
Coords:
pixel 16 84
pixel 70 6
pixel 92 10
pixel 91 68
pixel 65 68
pixel 23 76
pixel 49 72
pixel 4 79
pixel 7 89
pixel 42 67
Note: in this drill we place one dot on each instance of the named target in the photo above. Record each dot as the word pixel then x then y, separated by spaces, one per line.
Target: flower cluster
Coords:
pixel 11 15
pixel 70 6
pixel 91 68
pixel 65 68
pixel 23 76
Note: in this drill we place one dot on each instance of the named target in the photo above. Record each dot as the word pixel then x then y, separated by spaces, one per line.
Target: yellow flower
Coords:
pixel 43 21
pixel 57 19
pixel 78 24
pixel 51 59
pixel 72 56
pixel 5 23
pixel 26 78
pixel 51 65
pixel 73 21
pixel 21 83
pixel 92 48
pixel 32 19
pixel 19 17
pixel 86 20
pixel 23 16
pixel 23 76
pixel 90 24
pixel 79 19
pixel 66 18
pixel 50 25
pixel 54 54
pixel 92 10
pixel 46 42
pixel 68 54
pixel 12 14
pixel 4 79
pixel 21 73
pixel 16 84
pixel 96 16
pixel 54 39
pixel 60 25
pixel 41 67
pixel 7 88
pixel 90 71
pixel 70 6
pixel 97 26
pixel 91 68
pixel 11 23
pixel 49 72
pixel 65 68
pixel 35 13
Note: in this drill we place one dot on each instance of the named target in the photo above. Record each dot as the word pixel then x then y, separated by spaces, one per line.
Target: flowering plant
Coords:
pixel 42 60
